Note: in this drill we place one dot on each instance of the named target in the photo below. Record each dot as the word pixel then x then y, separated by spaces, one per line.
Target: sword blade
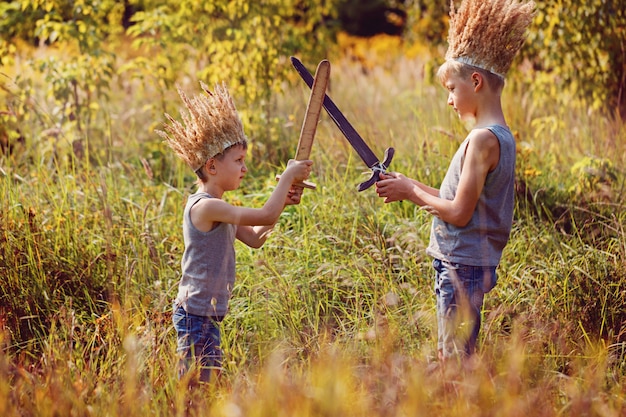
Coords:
pixel 312 116
pixel 313 110
pixel 357 142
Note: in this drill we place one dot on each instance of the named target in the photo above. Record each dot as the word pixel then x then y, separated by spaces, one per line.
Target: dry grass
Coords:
pixel 335 314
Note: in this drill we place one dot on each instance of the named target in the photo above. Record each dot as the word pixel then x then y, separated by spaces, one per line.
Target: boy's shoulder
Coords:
pixel 497 128
pixel 483 136
pixel 484 145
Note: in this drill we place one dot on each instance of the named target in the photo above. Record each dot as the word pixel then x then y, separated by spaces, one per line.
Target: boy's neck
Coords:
pixel 490 113
pixel 211 189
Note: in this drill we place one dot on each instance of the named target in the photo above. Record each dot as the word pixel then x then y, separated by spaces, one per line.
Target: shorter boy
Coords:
pixel 212 142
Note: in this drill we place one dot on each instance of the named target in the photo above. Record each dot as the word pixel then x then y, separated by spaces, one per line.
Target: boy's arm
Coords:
pixel 481 156
pixel 209 211
pixel 427 188
pixel 254 236
pixel 394 186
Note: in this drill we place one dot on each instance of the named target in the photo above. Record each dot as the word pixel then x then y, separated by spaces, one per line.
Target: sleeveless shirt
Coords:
pixel 208 266
pixel 481 241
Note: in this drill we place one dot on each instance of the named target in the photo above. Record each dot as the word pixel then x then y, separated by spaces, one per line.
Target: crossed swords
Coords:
pixel 317 99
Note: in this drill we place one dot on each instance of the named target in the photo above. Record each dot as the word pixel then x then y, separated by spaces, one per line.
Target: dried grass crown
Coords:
pixel 210 126
pixel 488 33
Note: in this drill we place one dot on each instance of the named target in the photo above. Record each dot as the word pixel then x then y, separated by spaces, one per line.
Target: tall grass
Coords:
pixel 335 314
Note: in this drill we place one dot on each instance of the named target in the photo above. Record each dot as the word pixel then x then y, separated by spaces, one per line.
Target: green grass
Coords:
pixel 335 314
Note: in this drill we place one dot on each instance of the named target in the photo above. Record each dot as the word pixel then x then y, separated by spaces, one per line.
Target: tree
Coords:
pixel 578 49
pixel 73 86
pixel 247 44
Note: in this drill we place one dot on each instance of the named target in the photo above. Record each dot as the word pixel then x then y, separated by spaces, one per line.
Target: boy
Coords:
pixel 473 209
pixel 212 142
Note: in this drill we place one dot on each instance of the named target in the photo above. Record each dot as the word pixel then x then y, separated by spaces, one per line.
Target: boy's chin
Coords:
pixel 233 187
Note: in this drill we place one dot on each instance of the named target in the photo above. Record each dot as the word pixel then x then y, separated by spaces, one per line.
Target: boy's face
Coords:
pixel 231 168
pixel 461 95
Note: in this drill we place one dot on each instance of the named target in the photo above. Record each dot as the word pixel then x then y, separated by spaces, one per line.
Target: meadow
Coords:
pixel 335 315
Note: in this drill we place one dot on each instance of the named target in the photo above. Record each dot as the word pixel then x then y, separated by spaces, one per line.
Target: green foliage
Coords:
pixel 76 83
pixel 246 44
pixel 59 248
pixel 76 87
pixel 428 22
pixel 85 22
pixel 577 50
pixel 14 24
pixel 594 176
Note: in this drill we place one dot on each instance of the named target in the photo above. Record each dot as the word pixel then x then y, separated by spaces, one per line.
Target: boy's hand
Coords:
pixel 393 187
pixel 294 195
pixel 298 170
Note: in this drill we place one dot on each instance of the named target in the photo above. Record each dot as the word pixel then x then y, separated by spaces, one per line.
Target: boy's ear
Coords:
pixel 210 166
pixel 477 79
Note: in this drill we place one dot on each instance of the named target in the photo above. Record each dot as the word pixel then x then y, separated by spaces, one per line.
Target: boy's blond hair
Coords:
pixel 210 126
pixel 488 33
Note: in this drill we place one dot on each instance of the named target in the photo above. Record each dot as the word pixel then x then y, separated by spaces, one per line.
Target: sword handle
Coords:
pixel 376 170
pixel 304 184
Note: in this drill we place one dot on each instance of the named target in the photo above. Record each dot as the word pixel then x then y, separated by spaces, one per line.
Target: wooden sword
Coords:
pixel 312 116
pixel 359 145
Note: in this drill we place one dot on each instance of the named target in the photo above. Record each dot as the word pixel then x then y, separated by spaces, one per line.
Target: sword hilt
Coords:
pixel 304 184
pixel 377 169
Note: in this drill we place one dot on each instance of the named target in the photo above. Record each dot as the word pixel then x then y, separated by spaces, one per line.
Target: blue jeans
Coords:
pixel 198 343
pixel 460 291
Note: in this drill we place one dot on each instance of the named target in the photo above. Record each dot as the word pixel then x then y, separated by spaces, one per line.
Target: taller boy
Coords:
pixel 473 208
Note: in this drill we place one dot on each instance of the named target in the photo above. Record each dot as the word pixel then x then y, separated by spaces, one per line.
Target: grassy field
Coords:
pixel 334 316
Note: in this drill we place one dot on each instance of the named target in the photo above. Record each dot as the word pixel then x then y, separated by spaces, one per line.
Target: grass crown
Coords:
pixel 488 33
pixel 210 125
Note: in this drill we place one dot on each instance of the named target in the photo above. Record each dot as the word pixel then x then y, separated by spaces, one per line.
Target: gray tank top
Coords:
pixel 208 266
pixel 481 241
